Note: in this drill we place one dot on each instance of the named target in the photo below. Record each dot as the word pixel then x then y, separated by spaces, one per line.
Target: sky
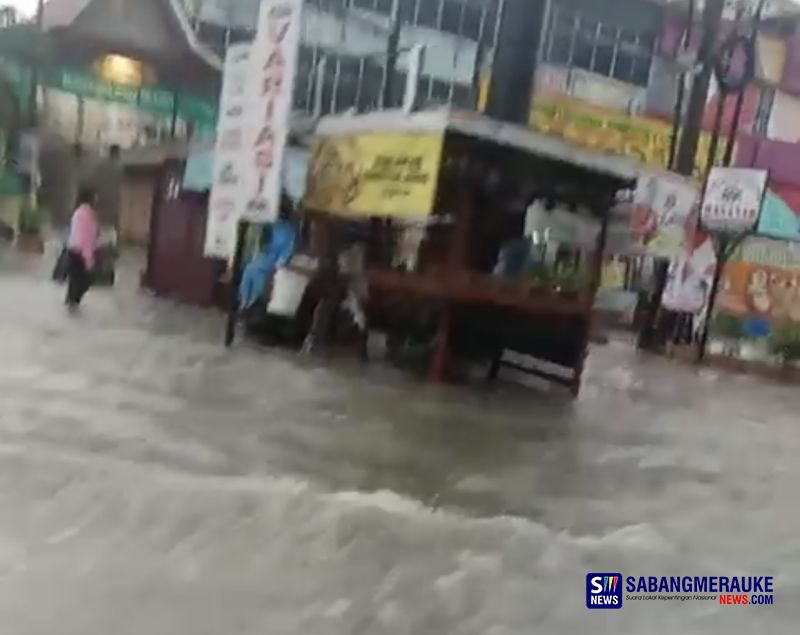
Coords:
pixel 26 7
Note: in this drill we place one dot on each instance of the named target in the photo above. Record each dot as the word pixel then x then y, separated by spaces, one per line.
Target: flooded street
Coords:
pixel 152 482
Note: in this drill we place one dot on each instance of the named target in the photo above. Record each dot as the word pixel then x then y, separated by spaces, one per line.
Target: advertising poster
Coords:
pixel 271 80
pixel 763 283
pixel 733 199
pixel 663 204
pixel 691 275
pixel 226 203
pixel 390 175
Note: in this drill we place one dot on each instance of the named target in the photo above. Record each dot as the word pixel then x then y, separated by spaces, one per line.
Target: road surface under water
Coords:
pixel 153 482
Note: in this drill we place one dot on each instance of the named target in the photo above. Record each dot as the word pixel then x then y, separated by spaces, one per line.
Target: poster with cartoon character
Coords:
pixel 761 290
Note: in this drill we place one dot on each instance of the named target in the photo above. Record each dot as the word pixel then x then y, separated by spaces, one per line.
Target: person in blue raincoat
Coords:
pixel 277 248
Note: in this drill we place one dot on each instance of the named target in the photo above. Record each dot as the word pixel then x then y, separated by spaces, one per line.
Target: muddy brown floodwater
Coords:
pixel 153 483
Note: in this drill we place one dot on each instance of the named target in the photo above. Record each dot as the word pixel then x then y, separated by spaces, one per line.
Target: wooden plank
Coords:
pixel 478 289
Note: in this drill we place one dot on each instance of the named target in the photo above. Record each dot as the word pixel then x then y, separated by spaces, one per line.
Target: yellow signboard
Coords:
pixel 605 130
pixel 642 138
pixel 362 175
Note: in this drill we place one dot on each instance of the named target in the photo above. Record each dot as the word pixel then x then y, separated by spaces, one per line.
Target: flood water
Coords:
pixel 153 482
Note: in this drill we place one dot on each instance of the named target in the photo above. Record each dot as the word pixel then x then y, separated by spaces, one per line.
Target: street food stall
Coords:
pixel 486 239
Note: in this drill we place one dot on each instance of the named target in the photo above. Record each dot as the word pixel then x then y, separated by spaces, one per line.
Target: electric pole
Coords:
pixel 515 58
pixel 37 66
pixel 706 56
pixel 392 52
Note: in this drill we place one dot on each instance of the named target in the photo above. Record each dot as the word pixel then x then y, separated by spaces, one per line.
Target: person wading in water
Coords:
pixel 81 248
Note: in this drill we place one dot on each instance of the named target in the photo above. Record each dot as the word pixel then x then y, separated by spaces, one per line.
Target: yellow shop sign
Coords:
pixel 642 138
pixel 392 175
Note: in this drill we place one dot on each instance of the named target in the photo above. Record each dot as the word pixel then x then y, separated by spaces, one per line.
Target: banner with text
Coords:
pixel 604 129
pixel 390 175
pixel 226 202
pixel 269 108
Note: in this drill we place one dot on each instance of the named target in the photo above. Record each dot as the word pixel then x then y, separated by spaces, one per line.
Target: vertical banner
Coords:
pixel 664 204
pixel 226 203
pixel 273 68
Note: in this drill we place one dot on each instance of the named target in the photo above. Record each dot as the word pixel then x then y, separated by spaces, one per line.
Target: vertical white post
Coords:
pixel 416 58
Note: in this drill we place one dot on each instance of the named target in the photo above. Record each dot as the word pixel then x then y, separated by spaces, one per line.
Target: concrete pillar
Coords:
pixel 515 58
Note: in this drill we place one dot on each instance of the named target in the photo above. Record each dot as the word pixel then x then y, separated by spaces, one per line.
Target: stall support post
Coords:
pixel 236 277
pixel 596 274
pixel 456 265
pixel 599 254
pixel 441 351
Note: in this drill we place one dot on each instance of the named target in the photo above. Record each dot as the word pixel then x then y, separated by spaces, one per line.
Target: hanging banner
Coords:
pixel 227 202
pixel 691 275
pixel 733 198
pixel 390 175
pixel 269 108
pixel 662 206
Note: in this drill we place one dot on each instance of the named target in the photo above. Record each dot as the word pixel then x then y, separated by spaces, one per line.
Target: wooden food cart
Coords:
pixel 447 196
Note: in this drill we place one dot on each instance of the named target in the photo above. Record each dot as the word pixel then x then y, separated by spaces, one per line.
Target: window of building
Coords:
pixel 574 40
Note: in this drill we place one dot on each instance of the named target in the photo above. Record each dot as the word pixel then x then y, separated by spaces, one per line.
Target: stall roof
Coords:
pixel 475 125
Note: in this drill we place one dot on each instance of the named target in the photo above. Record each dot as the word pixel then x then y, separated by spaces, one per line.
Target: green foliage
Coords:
pixel 785 342
pixel 561 279
pixel 31 218
pixel 729 327
pixel 571 279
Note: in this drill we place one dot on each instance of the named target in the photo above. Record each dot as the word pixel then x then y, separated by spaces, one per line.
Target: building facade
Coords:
pixel 353 37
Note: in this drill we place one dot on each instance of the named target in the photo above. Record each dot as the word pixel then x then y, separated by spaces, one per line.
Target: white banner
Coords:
pixel 227 201
pixel 663 206
pixel 733 198
pixel 269 109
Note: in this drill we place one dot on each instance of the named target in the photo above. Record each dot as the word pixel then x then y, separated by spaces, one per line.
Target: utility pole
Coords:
pixel 392 46
pixel 706 55
pixel 515 58
pixel 37 66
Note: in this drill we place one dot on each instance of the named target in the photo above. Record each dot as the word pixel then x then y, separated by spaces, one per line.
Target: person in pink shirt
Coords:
pixel 81 248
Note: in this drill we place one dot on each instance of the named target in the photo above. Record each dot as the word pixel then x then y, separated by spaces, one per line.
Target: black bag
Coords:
pixel 60 270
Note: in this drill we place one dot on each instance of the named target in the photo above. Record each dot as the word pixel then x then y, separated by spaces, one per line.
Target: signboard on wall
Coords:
pixel 390 175
pixel 732 199
pixel 663 206
pixel 273 68
pixel 763 282
pixel 226 202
